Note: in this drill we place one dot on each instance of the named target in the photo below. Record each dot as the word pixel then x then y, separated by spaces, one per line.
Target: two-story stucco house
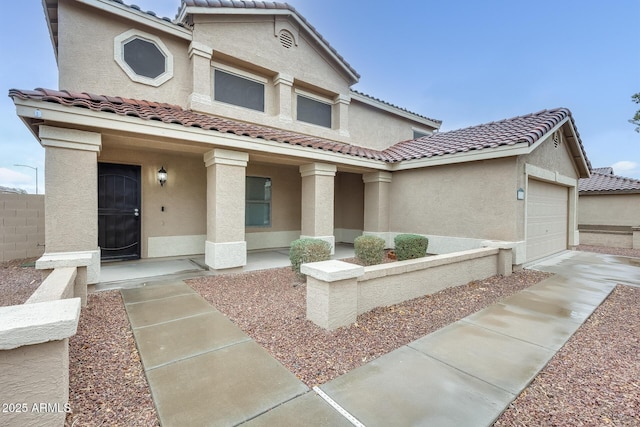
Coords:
pixel 234 127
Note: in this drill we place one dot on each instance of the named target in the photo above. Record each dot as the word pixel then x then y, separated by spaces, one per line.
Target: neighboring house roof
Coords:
pixel 8 190
pixel 526 129
pixel 603 181
pixel 518 130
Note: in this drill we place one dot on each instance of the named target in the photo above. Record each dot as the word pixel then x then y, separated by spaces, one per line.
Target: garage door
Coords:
pixel 547 219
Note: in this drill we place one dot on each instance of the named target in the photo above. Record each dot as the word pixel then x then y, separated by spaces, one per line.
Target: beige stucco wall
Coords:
pixel 474 200
pixel 370 128
pixel 183 195
pixel 609 209
pixel 21 226
pixel 349 201
pixel 86 56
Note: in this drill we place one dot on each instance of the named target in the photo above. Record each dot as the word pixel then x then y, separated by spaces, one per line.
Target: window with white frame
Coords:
pixel 258 202
pixel 313 111
pixel 143 57
pixel 237 90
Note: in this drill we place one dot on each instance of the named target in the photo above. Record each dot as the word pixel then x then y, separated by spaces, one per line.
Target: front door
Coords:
pixel 118 211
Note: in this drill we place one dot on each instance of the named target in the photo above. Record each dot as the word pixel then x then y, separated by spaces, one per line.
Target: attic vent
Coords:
pixel 556 140
pixel 286 39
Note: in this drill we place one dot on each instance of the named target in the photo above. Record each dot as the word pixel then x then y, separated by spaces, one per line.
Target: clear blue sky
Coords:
pixel 463 62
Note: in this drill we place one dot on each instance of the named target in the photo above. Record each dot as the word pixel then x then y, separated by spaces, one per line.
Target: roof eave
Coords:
pixel 34 113
pixel 184 11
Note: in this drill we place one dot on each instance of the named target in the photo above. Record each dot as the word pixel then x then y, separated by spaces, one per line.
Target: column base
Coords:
pixel 225 255
pixel 329 239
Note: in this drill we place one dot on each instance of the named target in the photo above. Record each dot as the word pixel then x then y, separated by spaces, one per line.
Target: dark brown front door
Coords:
pixel 118 211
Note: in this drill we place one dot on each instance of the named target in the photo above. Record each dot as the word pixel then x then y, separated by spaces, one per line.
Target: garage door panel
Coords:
pixel 547 219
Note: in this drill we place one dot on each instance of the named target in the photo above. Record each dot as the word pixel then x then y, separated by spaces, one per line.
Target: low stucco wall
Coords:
pixel 21 226
pixel 607 238
pixel 34 351
pixel 387 284
pixel 337 292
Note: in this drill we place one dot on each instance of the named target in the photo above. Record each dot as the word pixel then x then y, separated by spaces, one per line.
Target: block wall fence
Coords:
pixel 21 226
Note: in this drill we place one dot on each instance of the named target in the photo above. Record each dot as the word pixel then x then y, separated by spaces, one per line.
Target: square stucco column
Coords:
pixel 200 56
pixel 284 90
pixel 71 197
pixel 317 201
pixel 225 246
pixel 377 188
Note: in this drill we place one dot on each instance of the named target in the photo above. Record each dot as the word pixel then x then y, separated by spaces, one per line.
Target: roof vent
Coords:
pixel 556 139
pixel 286 39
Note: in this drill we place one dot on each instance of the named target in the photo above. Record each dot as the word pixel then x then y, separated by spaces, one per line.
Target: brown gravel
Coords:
pixel 17 283
pixel 594 380
pixel 270 306
pixel 106 380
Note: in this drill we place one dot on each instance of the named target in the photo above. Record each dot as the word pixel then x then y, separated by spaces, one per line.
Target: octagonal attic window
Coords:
pixel 143 57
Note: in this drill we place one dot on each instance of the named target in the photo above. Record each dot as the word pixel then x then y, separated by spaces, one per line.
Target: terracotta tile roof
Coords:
pixel 175 114
pixel 523 129
pixel 518 130
pixel 607 182
pixel 267 5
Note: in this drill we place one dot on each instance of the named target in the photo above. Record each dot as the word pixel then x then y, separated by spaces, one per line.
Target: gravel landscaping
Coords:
pixel 593 380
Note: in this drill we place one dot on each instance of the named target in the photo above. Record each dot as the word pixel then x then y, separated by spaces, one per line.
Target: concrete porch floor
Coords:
pixel 131 274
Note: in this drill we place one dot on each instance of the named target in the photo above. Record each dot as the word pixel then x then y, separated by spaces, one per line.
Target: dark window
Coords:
pixel 144 58
pixel 417 134
pixel 237 90
pixel 312 111
pixel 258 202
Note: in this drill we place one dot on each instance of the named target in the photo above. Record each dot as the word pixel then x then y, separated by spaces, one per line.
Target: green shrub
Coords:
pixel 308 250
pixel 369 249
pixel 410 246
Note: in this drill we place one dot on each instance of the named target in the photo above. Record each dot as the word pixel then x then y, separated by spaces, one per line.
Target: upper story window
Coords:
pixel 313 111
pixel 237 90
pixel 419 134
pixel 143 57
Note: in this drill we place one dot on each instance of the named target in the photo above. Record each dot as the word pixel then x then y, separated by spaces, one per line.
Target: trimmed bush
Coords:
pixel 308 250
pixel 369 249
pixel 410 246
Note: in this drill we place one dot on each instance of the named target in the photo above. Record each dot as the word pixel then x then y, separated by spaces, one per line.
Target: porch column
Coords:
pixel 284 92
pixel 317 202
pixel 200 56
pixel 71 196
pixel 377 187
pixel 225 246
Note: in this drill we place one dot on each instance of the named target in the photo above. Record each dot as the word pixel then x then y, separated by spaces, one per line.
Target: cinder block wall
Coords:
pixel 21 226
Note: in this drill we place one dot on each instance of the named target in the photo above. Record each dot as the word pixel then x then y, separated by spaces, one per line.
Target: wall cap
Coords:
pixel 64 259
pixel 332 270
pixel 38 323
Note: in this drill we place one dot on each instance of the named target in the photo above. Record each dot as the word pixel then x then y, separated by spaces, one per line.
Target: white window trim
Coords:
pixel 118 55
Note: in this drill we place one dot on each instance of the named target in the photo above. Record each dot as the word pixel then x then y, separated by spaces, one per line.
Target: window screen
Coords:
pixel 144 58
pixel 237 90
pixel 312 111
pixel 258 202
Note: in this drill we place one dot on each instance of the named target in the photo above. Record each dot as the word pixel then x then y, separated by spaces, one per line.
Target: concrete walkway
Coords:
pixel 204 371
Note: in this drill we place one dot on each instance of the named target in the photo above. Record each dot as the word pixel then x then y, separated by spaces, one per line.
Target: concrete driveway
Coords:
pixel 600 268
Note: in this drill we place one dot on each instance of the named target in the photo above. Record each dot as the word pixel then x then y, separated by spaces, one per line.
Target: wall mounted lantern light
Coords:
pixel 520 194
pixel 162 176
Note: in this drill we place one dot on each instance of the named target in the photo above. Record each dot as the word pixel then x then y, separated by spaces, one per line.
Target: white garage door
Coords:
pixel 547 219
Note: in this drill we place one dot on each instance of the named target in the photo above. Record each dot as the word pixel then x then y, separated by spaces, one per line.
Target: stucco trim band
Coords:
pixel 166 246
pixel 69 138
